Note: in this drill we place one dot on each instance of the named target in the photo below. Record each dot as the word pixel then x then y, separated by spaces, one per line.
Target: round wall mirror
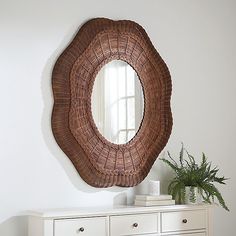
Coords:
pixel 117 102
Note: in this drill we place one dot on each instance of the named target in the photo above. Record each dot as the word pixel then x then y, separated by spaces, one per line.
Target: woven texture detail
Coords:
pixel 99 162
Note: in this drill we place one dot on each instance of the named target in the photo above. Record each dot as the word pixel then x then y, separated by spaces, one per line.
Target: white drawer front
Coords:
pixel 183 220
pixel 194 234
pixel 80 227
pixel 133 224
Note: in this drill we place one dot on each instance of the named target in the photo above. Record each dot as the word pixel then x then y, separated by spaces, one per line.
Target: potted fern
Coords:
pixel 194 182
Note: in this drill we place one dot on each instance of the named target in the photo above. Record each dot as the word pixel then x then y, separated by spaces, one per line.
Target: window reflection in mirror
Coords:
pixel 117 102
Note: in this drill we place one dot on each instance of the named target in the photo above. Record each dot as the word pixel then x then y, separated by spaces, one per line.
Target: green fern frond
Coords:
pixel 211 191
pixel 174 162
pixel 170 164
pixel 181 155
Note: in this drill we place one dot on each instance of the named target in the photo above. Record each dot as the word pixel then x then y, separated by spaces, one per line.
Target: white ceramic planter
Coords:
pixel 192 195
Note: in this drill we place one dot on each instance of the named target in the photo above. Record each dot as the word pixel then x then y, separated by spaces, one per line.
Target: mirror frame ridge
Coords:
pixel 99 162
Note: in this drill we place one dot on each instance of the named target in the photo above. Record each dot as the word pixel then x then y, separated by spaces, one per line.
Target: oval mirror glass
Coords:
pixel 117 102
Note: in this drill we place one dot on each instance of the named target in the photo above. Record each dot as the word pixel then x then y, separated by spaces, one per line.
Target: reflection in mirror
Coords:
pixel 117 102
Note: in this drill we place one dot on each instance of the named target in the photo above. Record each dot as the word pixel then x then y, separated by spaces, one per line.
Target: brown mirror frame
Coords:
pixel 99 162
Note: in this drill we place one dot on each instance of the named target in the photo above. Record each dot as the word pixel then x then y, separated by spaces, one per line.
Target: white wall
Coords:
pixel 196 38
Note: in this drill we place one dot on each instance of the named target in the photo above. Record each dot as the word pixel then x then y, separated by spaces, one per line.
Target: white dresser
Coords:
pixel 177 220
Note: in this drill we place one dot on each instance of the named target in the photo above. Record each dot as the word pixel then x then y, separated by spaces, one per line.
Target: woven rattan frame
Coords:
pixel 99 162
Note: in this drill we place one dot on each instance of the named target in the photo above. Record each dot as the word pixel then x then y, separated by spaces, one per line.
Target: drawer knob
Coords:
pixel 184 221
pixel 135 225
pixel 81 229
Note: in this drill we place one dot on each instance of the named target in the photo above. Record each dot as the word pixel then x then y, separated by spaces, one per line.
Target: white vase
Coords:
pixel 154 187
pixel 192 195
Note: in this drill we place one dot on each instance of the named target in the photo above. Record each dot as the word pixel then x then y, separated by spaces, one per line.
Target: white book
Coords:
pixel 154 203
pixel 153 198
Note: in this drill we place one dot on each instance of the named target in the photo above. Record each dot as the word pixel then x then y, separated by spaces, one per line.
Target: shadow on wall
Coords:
pixel 120 199
pixel 157 172
pixel 47 95
pixel 14 226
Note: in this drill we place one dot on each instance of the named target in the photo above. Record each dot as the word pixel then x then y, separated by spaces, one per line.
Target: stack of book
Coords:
pixel 150 200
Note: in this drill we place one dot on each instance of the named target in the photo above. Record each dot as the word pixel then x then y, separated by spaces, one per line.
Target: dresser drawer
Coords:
pixel 133 224
pixel 183 220
pixel 82 226
pixel 193 234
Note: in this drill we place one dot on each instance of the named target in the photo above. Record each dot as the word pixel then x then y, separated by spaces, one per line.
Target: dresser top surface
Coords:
pixel 112 210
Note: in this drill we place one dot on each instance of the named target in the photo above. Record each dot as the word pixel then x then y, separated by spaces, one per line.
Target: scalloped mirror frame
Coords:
pixel 99 162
